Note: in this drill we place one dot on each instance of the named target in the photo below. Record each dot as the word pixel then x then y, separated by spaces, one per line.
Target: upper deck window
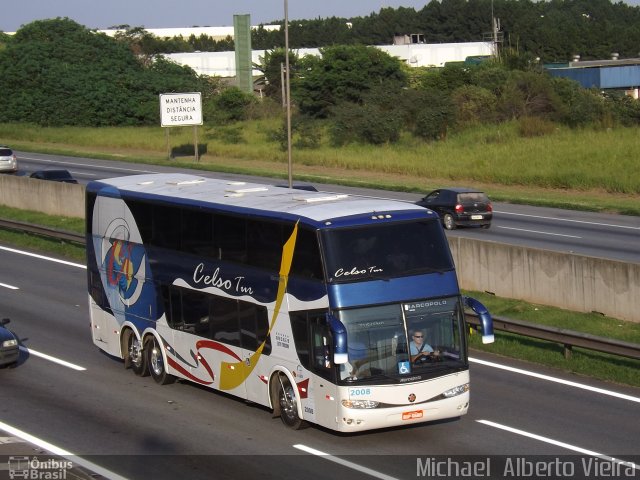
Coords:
pixel 388 250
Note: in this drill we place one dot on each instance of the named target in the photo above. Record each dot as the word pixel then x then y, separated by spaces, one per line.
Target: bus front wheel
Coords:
pixel 288 404
pixel 155 360
pixel 134 356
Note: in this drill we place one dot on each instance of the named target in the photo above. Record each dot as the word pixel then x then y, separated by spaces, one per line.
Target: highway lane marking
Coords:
pixel 567 220
pixel 10 287
pixel 551 441
pixel 537 231
pixel 344 463
pixel 76 164
pixel 44 356
pixel 51 448
pixel 35 352
pixel 549 378
pixel 35 255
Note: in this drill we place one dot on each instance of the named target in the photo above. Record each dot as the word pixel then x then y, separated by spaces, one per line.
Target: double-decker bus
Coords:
pixel 303 302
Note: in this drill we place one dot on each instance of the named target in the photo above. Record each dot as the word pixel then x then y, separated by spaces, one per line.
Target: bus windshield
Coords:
pixel 403 339
pixel 387 250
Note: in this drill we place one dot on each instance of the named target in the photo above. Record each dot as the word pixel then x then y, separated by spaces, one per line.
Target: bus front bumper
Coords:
pixel 358 419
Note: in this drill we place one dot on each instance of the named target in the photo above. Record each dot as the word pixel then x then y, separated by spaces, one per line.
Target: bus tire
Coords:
pixel 287 403
pixel 134 355
pixel 155 361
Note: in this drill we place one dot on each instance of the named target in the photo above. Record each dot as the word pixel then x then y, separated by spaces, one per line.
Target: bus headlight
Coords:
pixel 459 390
pixel 359 404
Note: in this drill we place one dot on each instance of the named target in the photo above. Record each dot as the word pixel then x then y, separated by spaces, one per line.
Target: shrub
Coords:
pixel 434 117
pixel 473 104
pixel 232 104
pixel 305 133
pixel 368 123
pixel 535 127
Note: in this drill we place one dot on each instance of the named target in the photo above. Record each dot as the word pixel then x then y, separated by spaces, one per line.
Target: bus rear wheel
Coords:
pixel 155 360
pixel 288 404
pixel 134 356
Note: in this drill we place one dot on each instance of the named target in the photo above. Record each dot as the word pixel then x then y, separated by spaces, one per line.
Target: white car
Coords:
pixel 8 160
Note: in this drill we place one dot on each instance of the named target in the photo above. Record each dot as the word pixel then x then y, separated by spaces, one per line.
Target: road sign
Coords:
pixel 180 109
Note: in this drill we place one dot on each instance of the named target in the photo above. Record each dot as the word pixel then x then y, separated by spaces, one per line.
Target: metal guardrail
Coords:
pixel 568 338
pixel 43 231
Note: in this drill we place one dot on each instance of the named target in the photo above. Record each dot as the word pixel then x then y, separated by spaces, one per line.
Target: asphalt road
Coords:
pixel 85 403
pixel 601 235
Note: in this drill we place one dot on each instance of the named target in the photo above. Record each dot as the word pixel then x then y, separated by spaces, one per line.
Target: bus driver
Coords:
pixel 418 348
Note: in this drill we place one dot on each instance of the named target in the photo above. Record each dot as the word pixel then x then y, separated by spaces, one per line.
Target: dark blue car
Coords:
pixel 9 347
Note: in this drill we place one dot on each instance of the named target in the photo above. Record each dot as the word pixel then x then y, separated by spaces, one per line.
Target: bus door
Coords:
pixel 314 374
pixel 323 394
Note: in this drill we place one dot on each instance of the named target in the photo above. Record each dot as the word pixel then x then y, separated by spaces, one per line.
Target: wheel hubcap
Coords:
pixel 156 361
pixel 287 404
pixel 134 352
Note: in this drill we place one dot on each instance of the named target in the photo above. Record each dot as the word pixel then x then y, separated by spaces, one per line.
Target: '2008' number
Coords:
pixel 359 391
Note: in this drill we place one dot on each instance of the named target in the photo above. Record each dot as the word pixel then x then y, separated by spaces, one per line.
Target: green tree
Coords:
pixel 56 72
pixel 528 94
pixel 580 106
pixel 343 74
pixel 231 105
pixel 271 67
pixel 473 105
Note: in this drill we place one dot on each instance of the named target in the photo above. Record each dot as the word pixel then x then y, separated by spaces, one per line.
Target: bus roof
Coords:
pixel 187 189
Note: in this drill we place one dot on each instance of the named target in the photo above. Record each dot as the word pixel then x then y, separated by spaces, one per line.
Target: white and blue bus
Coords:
pixel 304 302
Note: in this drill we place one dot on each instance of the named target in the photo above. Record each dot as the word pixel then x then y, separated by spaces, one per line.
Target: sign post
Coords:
pixel 182 109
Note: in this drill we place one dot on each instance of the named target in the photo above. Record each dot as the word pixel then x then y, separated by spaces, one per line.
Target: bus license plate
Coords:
pixel 476 217
pixel 412 415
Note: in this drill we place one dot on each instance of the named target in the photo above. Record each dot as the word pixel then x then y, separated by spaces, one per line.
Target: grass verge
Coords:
pixel 611 368
pixel 575 169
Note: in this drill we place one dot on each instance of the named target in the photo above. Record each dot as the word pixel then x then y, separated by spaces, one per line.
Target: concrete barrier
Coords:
pixel 573 282
pixel 52 198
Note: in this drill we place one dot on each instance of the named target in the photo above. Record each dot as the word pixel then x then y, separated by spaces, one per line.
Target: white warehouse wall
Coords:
pixel 223 64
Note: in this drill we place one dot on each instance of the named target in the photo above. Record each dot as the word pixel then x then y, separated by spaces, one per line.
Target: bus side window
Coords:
pixel 95 289
pixel 254 325
pixel 195 312
pixel 231 238
pixel 300 336
pixel 265 249
pixel 166 227
pixel 197 233
pixel 313 342
pixel 172 306
pixel 306 258
pixel 320 343
pixel 224 321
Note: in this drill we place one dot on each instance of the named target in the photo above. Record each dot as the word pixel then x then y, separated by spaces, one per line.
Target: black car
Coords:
pixel 9 348
pixel 54 175
pixel 460 207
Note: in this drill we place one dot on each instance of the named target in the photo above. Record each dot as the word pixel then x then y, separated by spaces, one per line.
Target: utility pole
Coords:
pixel 288 89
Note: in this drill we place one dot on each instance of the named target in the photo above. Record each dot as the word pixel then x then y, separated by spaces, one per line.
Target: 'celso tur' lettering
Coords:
pixel 215 280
